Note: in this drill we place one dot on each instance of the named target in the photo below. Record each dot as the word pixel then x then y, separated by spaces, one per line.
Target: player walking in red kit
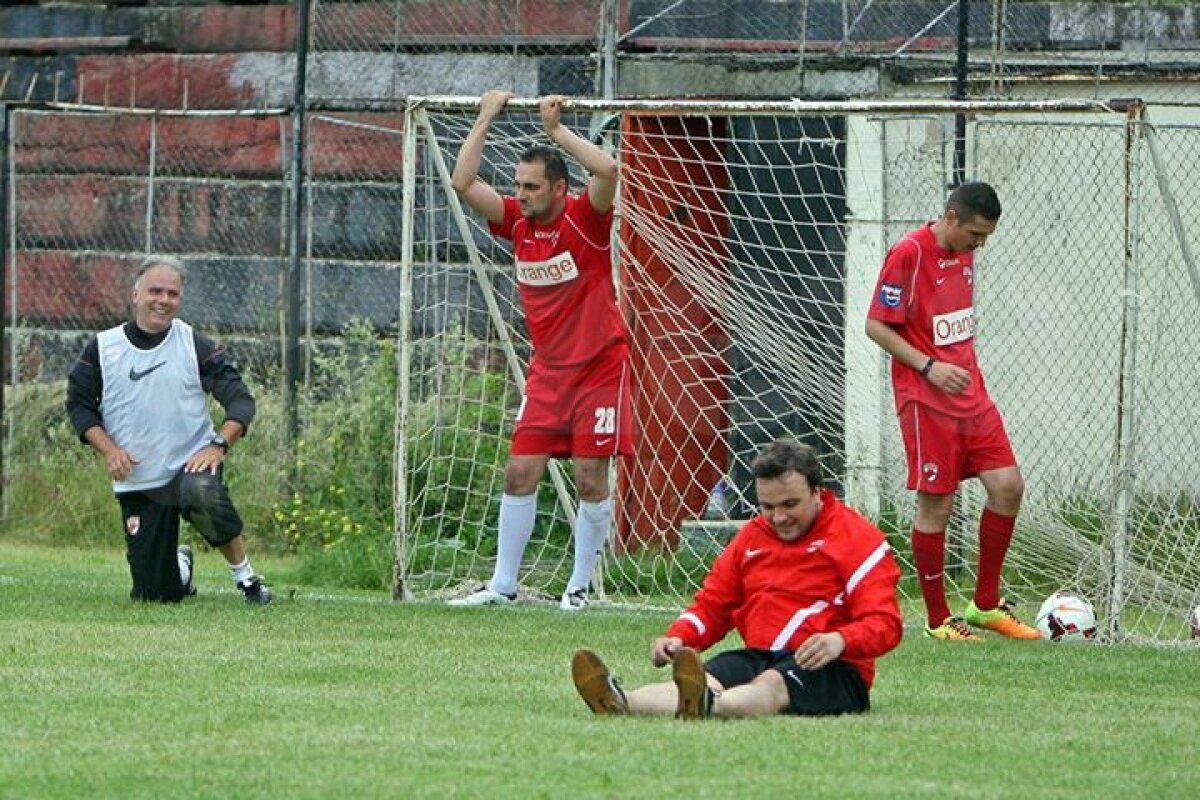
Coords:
pixel 923 315
pixel 577 400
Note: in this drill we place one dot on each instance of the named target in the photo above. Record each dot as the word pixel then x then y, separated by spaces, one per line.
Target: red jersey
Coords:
pixel 927 294
pixel 564 273
pixel 840 576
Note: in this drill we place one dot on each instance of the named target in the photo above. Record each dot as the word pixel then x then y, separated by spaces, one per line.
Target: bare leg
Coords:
pixel 654 699
pixel 764 696
pixel 1005 488
pixel 933 512
pixel 662 698
pixel 234 550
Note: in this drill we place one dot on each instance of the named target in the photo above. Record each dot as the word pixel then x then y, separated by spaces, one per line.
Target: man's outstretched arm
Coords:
pixel 478 195
pixel 602 188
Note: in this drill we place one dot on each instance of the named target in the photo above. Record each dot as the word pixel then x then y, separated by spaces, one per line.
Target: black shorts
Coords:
pixel 836 688
pixel 151 521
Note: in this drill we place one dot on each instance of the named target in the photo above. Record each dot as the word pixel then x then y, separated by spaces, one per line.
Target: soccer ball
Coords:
pixel 1066 617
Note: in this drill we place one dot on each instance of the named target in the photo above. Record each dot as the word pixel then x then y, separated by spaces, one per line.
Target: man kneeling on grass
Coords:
pixel 811 587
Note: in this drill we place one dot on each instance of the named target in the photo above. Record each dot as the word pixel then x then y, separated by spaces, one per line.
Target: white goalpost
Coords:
pixel 748 239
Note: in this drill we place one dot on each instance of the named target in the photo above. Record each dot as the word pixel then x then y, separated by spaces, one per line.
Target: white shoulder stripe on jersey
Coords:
pixel 692 618
pixel 618 418
pixel 912 286
pixel 866 566
pixel 798 618
pixel 795 622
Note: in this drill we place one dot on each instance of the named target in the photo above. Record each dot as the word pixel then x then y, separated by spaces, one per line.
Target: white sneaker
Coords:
pixel 574 600
pixel 184 555
pixel 484 597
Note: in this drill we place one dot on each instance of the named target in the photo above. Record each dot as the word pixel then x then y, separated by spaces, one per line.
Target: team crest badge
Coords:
pixel 133 525
pixel 889 295
pixel 930 470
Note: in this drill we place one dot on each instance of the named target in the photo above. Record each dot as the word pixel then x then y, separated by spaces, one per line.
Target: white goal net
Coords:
pixel 750 236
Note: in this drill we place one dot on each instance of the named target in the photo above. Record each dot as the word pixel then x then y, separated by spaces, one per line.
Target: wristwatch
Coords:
pixel 220 441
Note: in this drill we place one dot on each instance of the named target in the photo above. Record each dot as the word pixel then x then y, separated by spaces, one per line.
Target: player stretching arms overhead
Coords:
pixel 922 314
pixel 577 397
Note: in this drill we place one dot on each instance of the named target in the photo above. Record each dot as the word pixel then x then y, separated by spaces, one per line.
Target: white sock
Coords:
pixel 517 515
pixel 242 572
pixel 185 571
pixel 591 532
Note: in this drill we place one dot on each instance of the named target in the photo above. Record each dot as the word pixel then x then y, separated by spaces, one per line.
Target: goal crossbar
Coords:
pixel 790 107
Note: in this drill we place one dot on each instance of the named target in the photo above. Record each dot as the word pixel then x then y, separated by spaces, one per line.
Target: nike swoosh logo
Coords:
pixel 939 281
pixel 602 442
pixel 753 553
pixel 933 577
pixel 795 678
pixel 134 375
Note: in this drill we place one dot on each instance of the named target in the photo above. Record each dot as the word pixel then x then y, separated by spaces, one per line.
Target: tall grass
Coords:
pixel 55 489
pixel 328 501
pixel 339 516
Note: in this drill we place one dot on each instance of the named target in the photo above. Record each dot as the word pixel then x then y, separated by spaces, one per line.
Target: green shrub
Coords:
pixel 335 547
pixel 56 489
pixel 338 516
pixel 456 446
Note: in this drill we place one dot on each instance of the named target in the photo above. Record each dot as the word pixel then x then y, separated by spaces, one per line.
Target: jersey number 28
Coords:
pixel 606 420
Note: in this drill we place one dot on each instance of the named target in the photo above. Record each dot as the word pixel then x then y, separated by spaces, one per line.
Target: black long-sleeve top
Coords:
pixel 218 377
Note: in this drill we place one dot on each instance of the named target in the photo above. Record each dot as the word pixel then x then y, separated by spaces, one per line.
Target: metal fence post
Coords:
pixel 1123 459
pixel 295 274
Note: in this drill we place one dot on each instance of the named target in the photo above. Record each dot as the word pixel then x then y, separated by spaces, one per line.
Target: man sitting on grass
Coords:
pixel 811 587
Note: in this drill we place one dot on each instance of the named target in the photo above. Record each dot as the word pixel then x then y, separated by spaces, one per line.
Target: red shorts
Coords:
pixel 943 451
pixel 577 411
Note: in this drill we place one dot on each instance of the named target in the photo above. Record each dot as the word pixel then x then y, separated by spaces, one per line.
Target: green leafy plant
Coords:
pixel 338 517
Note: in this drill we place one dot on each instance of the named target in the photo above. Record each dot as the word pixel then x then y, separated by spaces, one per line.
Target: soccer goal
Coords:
pixel 749 236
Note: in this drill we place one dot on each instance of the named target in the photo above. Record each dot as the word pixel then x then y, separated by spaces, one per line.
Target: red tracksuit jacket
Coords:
pixel 840 576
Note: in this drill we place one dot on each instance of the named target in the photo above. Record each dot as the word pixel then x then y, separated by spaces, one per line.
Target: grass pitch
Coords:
pixel 326 695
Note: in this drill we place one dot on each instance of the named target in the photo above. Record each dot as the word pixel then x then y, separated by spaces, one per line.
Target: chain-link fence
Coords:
pixel 377 53
pixel 1105 418
pixel 746 48
pixel 382 52
pixel 88 195
pixel 1095 253
pixel 189 55
pixel 92 192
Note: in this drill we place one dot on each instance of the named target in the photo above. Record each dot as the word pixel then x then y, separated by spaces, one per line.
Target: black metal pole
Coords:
pixel 955 542
pixel 5 233
pixel 960 93
pixel 295 273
